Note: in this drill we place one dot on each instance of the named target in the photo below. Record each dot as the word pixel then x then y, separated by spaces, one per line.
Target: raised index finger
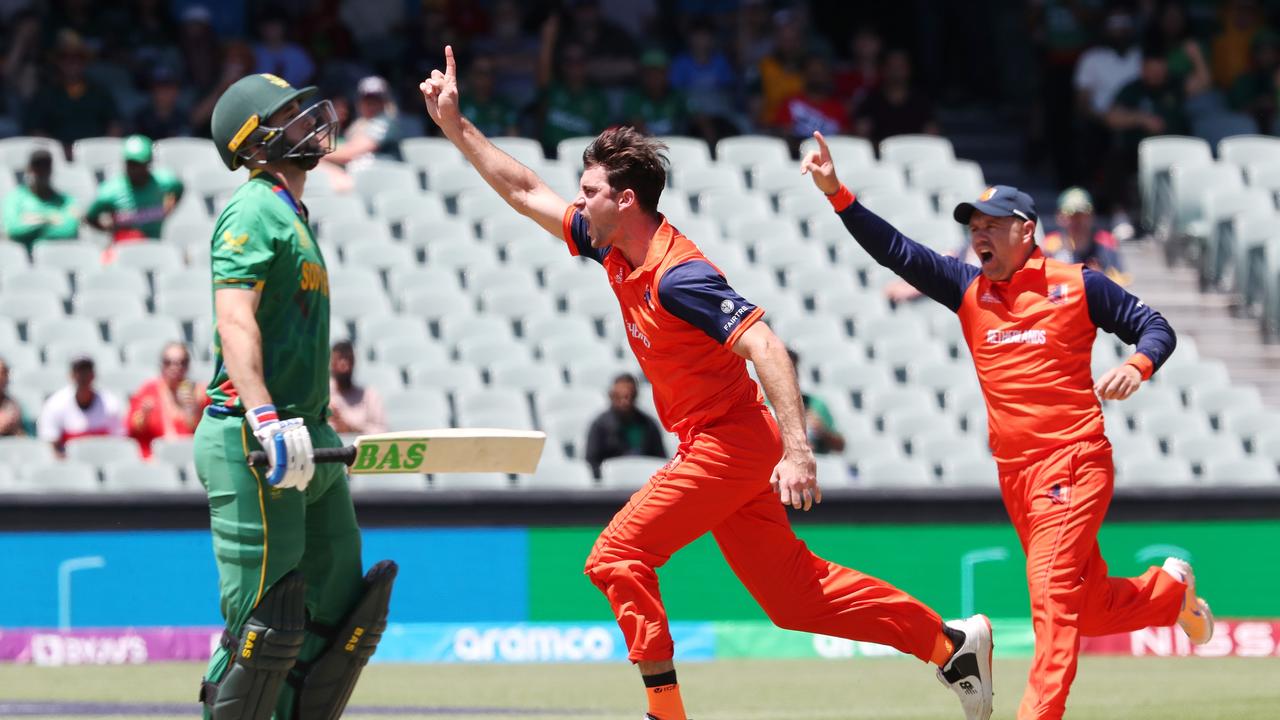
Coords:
pixel 450 68
pixel 824 153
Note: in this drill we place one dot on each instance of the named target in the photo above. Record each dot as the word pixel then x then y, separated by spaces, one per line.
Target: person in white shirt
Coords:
pixel 1104 69
pixel 79 410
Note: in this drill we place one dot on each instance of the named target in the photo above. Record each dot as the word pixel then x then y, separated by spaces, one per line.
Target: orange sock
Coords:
pixel 664 696
pixel 942 649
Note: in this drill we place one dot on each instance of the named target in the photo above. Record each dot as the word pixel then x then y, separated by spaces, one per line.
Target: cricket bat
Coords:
pixel 440 450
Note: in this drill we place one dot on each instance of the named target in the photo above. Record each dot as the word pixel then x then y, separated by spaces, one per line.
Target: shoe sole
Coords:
pixel 988 697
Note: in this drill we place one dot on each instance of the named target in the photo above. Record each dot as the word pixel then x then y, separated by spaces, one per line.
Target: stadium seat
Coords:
pixel 154 257
pixel 521 375
pixel 456 329
pixel 597 375
pixel 114 279
pixel 15 152
pixel 125 380
pixel 1132 446
pixel 833 471
pixel 176 451
pixel 20 451
pixel 417 408
pixel 41 380
pixel 78 182
pixel 971 471
pixel 436 303
pixel 69 255
pixel 110 305
pixel 461 256
pixel 403 280
pixel 463 482
pixel 1240 471
pixel 373 484
pixel 100 155
pixel 404 351
pixel 100 450
pixel 8 479
pixel 570 351
pixel 1248 424
pixel 430 153
pixel 906 150
pixel 684 152
pixel 526 150
pixel 895 473
pixel 1155 156
pixel 408 207
pixel 569 151
pixel 387 379
pixel 188 235
pixel 63 329
pixel 354 279
pixel 880 179
pixel 381 255
pixel 552 400
pixel 137 476
pixel 1215 401
pixel 850 153
pixel 59 354
pixel 1155 471
pixel 535 253
pixel 451 181
pixel 59 477
pixel 559 474
pixel 385 177
pixel 187 153
pixel 1200 448
pixel 452 376
pixel 1162 423
pixel 13 257
pixel 629 472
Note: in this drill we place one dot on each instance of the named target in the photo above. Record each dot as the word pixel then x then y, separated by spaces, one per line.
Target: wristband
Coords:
pixel 841 198
pixel 262 415
pixel 1142 363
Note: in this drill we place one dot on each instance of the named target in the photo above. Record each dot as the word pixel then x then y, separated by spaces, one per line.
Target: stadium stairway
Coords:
pixel 1205 317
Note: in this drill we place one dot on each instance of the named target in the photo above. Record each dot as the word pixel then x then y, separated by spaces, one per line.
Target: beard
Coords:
pixel 305 163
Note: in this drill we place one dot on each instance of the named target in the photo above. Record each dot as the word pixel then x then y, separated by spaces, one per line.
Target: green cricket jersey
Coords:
pixel 262 241
pixel 30 219
pixel 138 209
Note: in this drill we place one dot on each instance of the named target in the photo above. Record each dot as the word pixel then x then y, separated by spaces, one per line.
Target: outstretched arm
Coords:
pixel 942 278
pixel 517 184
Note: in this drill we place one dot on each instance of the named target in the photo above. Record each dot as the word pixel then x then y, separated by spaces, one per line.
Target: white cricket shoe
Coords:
pixel 968 672
pixel 1195 618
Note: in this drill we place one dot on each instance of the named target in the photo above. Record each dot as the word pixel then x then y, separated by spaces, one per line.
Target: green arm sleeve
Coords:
pixel 15 224
pixel 824 413
pixel 242 251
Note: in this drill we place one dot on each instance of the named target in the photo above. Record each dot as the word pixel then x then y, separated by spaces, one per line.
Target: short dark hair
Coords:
pixel 344 347
pixel 630 160
pixel 626 378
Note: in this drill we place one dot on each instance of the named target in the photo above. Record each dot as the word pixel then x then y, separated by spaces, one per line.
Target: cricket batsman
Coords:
pixel 301 622
pixel 692 333
pixel 1030 323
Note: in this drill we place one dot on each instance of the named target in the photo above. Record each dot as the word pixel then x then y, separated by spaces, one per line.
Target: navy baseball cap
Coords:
pixel 998 201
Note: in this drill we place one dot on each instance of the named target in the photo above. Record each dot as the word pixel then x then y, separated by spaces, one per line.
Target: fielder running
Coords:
pixel 1030 323
pixel 691 332
pixel 301 623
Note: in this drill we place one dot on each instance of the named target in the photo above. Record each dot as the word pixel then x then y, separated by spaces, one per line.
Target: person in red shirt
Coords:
pixel 1030 323
pixel 168 405
pixel 816 108
pixel 691 333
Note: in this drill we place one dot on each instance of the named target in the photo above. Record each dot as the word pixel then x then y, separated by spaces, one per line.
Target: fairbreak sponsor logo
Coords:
pixel 1016 337
pixel 736 317
pixel 533 644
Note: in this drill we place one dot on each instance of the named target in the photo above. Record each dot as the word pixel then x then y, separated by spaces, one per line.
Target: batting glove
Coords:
pixel 288 447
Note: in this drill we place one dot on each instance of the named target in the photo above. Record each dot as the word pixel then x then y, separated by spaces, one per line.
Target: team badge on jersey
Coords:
pixel 234 243
pixel 1058 294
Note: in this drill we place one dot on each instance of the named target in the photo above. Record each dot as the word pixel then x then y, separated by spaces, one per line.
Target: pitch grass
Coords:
pixel 881 689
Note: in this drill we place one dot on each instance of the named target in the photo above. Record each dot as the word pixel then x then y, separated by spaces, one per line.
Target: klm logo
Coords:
pixel 634 331
pixel 1016 337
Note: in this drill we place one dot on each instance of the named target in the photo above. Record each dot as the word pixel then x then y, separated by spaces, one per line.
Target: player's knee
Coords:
pixel 785 615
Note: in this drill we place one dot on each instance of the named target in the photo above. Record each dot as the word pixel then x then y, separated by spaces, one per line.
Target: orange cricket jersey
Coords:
pixel 1031 337
pixel 682 320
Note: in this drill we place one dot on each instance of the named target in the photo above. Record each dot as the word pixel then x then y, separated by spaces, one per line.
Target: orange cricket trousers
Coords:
pixel 719 481
pixel 1057 505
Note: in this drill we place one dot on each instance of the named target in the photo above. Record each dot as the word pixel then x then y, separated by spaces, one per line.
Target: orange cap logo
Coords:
pixel 987 194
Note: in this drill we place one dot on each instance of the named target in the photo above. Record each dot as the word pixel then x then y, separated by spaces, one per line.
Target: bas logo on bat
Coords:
pixel 391 456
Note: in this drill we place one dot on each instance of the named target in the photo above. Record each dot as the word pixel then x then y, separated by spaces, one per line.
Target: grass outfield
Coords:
pixel 882 689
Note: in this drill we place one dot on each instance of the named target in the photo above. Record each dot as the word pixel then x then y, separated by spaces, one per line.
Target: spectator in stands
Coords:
pixel 164 115
pixel 571 106
pixel 483 106
pixel 377 27
pixel 703 74
pixel 855 79
pixel 168 405
pixel 612 53
pixel 623 429
pixel 375 133
pixel 752 36
pixel 1104 69
pixel 1151 105
pixel 782 70
pixel 1080 240
pixel 10 411
pixel 78 410
pixel 816 108
pixel 895 107
pixel 1254 92
pixel 1240 21
pixel 146 31
pixel 1185 54
pixel 36 211
pixel 513 52
pixel 133 206
pixel 819 423
pixel 237 61
pixel 655 108
pixel 73 107
pixel 353 409
pixel 277 55
pixel 201 56
pixel 22 58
